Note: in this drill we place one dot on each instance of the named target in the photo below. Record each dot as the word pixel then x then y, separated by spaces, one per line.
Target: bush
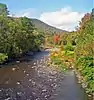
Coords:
pixel 3 57
pixel 86 67
pixel 57 61
pixel 69 53
pixel 69 47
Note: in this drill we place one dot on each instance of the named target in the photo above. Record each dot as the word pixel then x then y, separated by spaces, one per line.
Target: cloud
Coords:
pixel 30 12
pixel 64 18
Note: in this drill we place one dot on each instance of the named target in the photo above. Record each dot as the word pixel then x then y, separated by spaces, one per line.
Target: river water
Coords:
pixel 33 79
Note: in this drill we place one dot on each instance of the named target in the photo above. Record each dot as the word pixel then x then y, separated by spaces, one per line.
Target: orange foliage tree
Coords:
pixel 56 38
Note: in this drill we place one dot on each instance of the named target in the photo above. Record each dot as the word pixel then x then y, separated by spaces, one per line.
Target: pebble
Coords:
pixel 54 72
pixel 27 74
pixel 33 67
pixel 28 65
pixel 34 63
pixel 37 99
pixel 43 66
pixel 7 82
pixel 46 96
pixel 55 94
pixel 8 98
pixel 38 71
pixel 50 79
pixel 18 83
pixel 89 95
pixel 33 93
pixel 41 60
pixel 30 80
pixel 55 85
pixel 37 61
pixel 7 94
pixel 55 79
pixel 24 71
pixel 33 83
pixel 44 90
pixel 13 69
pixel 84 85
pixel 17 61
pixel 19 93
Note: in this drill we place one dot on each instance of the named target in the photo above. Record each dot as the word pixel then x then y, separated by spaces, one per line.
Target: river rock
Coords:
pixel 13 69
pixel 17 61
pixel 8 98
pixel 18 83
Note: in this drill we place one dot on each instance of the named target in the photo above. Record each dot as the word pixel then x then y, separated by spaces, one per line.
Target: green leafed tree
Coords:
pixel 18 35
pixel 3 9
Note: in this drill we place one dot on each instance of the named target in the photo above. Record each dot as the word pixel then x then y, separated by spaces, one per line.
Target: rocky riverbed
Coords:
pixel 38 80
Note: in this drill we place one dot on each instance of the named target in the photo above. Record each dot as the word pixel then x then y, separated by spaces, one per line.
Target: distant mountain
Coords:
pixel 43 27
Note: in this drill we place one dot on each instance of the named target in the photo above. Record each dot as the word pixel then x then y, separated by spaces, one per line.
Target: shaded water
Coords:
pixel 70 89
pixel 34 80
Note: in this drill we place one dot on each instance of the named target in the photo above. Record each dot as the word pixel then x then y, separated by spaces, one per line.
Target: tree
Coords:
pixel 56 38
pixel 3 9
pixel 18 36
pixel 84 51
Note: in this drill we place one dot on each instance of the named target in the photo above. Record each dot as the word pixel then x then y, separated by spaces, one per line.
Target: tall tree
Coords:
pixel 3 9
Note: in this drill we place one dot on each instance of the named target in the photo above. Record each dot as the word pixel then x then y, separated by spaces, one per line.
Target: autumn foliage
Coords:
pixel 56 38
pixel 84 20
pixel 77 51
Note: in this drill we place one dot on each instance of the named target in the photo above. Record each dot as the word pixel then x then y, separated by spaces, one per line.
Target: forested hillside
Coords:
pixel 41 26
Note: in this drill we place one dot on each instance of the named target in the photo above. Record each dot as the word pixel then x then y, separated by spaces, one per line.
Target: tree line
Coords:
pixel 17 35
pixel 80 45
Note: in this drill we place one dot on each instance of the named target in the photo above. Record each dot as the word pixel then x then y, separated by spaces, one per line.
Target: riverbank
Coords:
pixel 65 60
pixel 21 58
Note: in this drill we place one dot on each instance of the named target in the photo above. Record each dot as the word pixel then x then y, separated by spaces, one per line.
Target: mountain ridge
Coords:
pixel 44 27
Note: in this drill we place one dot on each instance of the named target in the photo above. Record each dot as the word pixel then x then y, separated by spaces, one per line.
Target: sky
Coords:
pixel 63 14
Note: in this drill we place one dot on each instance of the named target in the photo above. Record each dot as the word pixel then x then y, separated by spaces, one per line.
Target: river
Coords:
pixel 33 79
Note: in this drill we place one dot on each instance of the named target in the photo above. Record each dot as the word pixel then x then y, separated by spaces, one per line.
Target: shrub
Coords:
pixel 69 47
pixel 86 67
pixel 3 57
